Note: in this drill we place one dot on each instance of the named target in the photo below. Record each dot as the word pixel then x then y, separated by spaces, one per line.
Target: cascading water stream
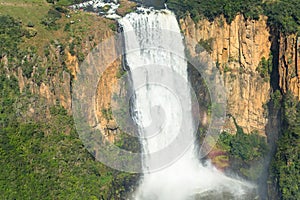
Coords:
pixel 155 54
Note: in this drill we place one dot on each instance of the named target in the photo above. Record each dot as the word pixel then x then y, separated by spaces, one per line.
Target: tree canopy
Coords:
pixel 283 14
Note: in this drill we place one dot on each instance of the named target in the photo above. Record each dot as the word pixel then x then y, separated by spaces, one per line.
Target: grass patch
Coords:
pixel 30 13
pixel 33 12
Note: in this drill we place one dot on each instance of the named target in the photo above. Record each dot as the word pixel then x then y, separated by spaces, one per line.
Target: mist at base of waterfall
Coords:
pixel 187 179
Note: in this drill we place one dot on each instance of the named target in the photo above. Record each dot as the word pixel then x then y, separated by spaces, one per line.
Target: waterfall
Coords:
pixel 156 57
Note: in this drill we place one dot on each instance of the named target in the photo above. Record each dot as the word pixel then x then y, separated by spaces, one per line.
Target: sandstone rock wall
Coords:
pixel 289 64
pixel 108 85
pixel 237 49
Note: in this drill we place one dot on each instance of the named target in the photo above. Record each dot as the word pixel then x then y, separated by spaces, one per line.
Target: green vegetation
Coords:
pixel 50 19
pixel 286 164
pixel 246 147
pixel 41 155
pixel 36 11
pixel 214 8
pixel 128 143
pixel 107 113
pixel 126 7
pixel 113 26
pixel 245 152
pixel 265 67
pixel 276 98
pixel 32 12
pixel 44 159
pixel 226 68
pixel 204 45
pixel 121 72
pixel 48 161
pixel 10 36
pixel 283 14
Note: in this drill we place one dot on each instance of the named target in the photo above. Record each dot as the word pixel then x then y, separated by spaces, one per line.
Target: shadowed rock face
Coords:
pixel 289 64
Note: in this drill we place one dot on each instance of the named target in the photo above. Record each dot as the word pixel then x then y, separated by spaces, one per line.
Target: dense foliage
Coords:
pixel 48 161
pixel 214 8
pixel 10 35
pixel 265 67
pixel 286 164
pixel 50 19
pixel 283 14
pixel 246 147
pixel 245 152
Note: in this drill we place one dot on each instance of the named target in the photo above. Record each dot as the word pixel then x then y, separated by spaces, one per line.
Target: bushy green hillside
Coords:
pixel 41 155
pixel 284 14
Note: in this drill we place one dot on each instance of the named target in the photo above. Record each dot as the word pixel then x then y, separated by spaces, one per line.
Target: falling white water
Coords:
pixel 154 44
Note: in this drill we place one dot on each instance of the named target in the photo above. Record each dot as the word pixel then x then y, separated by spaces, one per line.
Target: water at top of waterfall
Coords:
pixel 155 54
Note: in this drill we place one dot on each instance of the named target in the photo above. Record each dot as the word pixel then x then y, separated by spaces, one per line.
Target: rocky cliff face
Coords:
pixel 54 85
pixel 56 69
pixel 237 49
pixel 108 85
pixel 289 64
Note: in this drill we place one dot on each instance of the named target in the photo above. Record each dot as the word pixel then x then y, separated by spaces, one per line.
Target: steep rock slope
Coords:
pixel 289 64
pixel 237 49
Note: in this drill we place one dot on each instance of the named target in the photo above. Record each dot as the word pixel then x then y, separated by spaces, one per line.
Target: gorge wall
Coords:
pixel 256 62
pixel 289 64
pixel 239 49
pixel 55 88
